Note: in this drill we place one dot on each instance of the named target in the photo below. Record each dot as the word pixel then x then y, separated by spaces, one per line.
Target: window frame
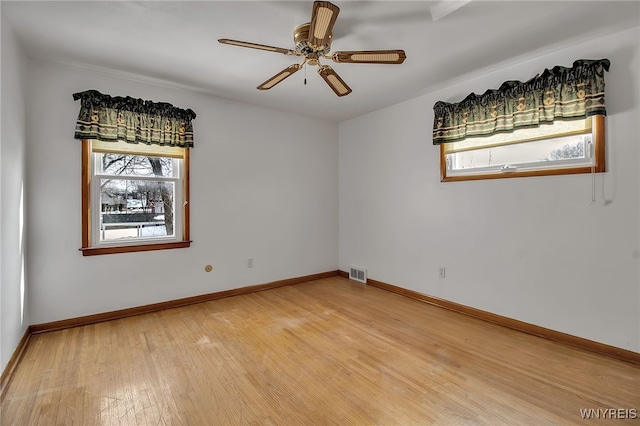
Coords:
pixel 90 249
pixel 598 166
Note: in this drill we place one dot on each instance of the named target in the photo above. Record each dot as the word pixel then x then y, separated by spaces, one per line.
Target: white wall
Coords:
pixel 263 185
pixel 533 249
pixel 13 319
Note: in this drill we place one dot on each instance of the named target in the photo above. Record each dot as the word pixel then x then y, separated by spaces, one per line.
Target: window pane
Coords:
pixel 542 132
pixel 131 209
pixel 135 165
pixel 542 152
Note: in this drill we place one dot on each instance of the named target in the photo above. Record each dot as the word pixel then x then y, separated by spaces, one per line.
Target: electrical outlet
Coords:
pixel 250 262
pixel 442 272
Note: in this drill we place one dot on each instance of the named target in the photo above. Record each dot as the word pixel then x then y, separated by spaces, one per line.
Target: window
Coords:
pixel 562 147
pixel 549 125
pixel 135 173
pixel 134 197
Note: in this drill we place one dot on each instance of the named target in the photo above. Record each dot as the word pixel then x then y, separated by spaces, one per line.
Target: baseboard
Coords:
pixel 556 336
pixel 11 366
pixel 155 307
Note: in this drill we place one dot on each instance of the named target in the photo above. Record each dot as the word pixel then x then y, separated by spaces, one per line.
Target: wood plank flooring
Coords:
pixel 331 351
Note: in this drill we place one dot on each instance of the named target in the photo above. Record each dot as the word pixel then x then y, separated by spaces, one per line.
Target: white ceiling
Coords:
pixel 175 43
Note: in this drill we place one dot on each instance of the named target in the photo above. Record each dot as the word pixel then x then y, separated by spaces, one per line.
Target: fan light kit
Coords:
pixel 313 42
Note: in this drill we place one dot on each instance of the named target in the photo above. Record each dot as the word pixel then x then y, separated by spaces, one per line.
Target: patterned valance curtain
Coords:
pixel 559 93
pixel 108 118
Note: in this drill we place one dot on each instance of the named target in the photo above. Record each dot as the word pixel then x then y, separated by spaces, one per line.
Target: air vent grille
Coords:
pixel 358 274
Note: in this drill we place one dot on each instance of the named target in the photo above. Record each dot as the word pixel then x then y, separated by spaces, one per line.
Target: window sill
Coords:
pixel 94 251
pixel 524 173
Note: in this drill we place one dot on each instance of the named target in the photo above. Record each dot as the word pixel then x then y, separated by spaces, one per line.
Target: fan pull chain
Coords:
pixel 305 74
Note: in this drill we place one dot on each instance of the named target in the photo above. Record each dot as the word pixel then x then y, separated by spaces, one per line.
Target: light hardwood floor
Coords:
pixel 330 351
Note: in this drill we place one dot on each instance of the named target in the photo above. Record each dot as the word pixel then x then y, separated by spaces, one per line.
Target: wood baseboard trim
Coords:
pixel 556 336
pixel 7 373
pixel 155 307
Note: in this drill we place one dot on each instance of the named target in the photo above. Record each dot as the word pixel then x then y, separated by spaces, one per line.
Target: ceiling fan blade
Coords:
pixel 370 57
pixel 334 81
pixel 257 46
pixel 323 17
pixel 285 73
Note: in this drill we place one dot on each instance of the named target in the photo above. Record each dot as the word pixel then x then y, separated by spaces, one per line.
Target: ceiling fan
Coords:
pixel 313 42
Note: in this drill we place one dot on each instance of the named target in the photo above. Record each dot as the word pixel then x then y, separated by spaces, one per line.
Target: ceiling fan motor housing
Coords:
pixel 301 39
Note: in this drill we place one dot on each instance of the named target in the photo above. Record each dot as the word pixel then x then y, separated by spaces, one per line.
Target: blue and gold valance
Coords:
pixel 108 118
pixel 559 93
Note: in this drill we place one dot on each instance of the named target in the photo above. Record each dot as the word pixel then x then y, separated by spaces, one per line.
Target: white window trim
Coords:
pixel 96 219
